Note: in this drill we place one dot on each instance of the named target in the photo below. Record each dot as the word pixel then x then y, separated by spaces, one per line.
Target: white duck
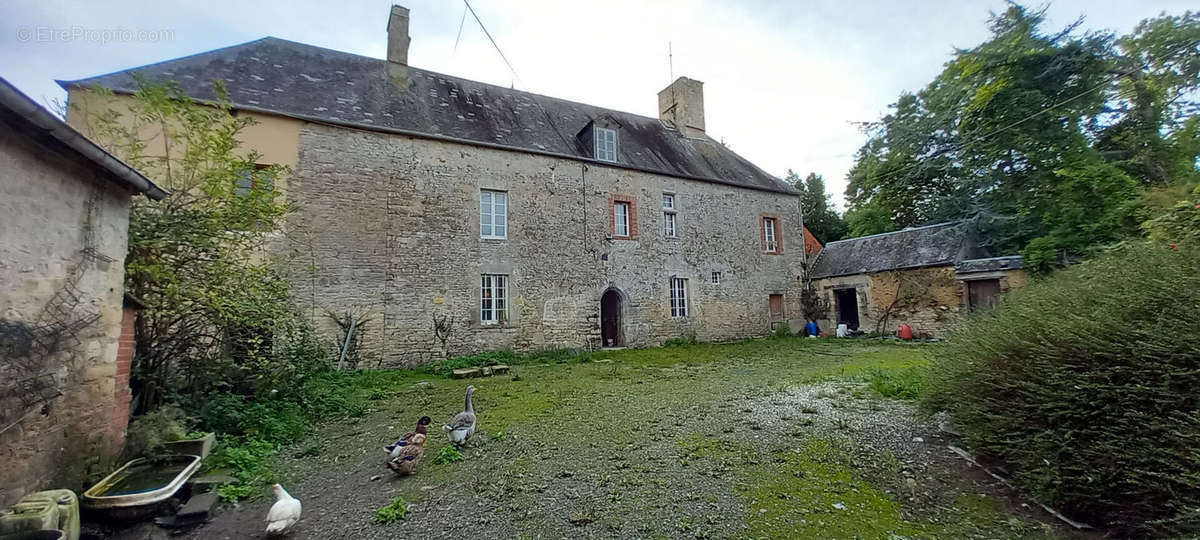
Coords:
pixel 463 425
pixel 283 514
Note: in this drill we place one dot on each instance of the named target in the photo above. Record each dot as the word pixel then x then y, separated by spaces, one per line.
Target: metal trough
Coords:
pixel 136 490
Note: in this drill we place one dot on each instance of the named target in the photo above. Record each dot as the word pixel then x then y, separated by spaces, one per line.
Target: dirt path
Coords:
pixel 747 440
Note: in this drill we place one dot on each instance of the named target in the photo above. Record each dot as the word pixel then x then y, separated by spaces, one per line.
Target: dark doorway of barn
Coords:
pixel 983 293
pixel 846 303
pixel 610 318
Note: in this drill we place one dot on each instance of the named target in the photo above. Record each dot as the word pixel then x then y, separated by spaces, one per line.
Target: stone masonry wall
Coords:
pixel 943 294
pixel 43 211
pixel 389 225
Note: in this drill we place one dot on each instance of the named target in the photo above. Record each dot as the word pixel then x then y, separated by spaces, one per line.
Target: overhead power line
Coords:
pixel 460 28
pixel 489 36
pixel 566 144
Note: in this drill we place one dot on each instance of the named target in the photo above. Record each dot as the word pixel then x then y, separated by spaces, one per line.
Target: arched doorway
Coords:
pixel 610 319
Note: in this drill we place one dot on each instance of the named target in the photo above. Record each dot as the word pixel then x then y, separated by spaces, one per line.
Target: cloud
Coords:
pixel 784 81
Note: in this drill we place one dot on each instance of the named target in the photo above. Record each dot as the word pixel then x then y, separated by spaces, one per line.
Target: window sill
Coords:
pixel 622 238
pixel 494 238
pixel 497 326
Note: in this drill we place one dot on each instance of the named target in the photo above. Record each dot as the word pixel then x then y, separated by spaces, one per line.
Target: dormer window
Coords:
pixel 606 144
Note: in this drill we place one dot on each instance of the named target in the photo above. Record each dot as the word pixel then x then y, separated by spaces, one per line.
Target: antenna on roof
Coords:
pixel 670 62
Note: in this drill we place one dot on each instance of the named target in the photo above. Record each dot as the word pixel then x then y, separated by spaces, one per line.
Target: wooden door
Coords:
pixel 775 304
pixel 983 293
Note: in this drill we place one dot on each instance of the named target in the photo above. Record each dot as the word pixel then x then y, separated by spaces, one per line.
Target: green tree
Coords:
pixel 1154 99
pixel 820 217
pixel 1047 140
pixel 218 316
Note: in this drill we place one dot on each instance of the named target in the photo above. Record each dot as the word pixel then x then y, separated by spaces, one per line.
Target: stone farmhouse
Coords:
pixel 927 277
pixel 523 221
pixel 66 329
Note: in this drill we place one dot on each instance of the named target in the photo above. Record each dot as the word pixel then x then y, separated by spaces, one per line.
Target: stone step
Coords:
pixel 197 507
pixel 486 371
pixel 207 483
pixel 498 369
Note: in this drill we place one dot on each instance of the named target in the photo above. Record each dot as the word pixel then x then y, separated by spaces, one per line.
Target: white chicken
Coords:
pixel 283 514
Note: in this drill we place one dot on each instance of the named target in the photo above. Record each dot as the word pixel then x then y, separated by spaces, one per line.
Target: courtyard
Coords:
pixel 776 438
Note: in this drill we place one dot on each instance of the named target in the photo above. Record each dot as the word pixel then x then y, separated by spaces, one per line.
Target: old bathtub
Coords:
pixel 139 488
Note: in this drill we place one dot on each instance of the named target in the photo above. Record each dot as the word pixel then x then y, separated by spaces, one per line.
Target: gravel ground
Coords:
pixel 713 443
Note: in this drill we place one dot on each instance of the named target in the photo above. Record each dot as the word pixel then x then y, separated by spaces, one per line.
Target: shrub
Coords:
pixel 148 432
pixel 223 413
pixel 1085 384
pixel 247 459
pixel 279 422
pixel 782 330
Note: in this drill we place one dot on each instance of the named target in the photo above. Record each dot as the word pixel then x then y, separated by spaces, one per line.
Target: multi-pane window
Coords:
pixel 769 243
pixel 493 308
pixel 669 224
pixel 606 144
pixel 669 215
pixel 260 177
pixel 493 214
pixel 679 306
pixel 716 278
pixel 620 219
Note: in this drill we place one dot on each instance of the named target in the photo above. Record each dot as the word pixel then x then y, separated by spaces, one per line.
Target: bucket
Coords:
pixel 44 534
pixel 28 516
pixel 842 330
pixel 67 519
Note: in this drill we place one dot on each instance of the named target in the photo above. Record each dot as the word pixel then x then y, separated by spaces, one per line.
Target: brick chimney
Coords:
pixel 398 40
pixel 683 103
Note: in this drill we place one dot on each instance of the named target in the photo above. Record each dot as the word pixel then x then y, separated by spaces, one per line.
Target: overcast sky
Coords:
pixel 784 82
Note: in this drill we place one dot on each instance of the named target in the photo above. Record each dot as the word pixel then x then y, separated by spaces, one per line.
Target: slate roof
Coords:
pixel 932 245
pixel 323 85
pixel 990 264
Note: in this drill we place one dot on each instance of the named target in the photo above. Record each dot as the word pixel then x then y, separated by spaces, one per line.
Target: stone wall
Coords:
pixel 44 211
pixel 941 293
pixel 390 224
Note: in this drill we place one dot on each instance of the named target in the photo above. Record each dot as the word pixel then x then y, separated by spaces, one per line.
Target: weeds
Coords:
pixel 902 384
pixel 682 341
pixel 448 454
pixel 397 510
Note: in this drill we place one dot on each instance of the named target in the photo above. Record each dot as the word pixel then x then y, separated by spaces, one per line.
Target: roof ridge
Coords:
pixel 765 180
pixel 910 229
pixel 66 84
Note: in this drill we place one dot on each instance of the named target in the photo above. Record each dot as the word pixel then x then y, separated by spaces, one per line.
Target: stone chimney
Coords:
pixel 398 40
pixel 683 104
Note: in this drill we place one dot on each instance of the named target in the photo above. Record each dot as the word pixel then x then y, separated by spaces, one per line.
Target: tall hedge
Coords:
pixel 1086 385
